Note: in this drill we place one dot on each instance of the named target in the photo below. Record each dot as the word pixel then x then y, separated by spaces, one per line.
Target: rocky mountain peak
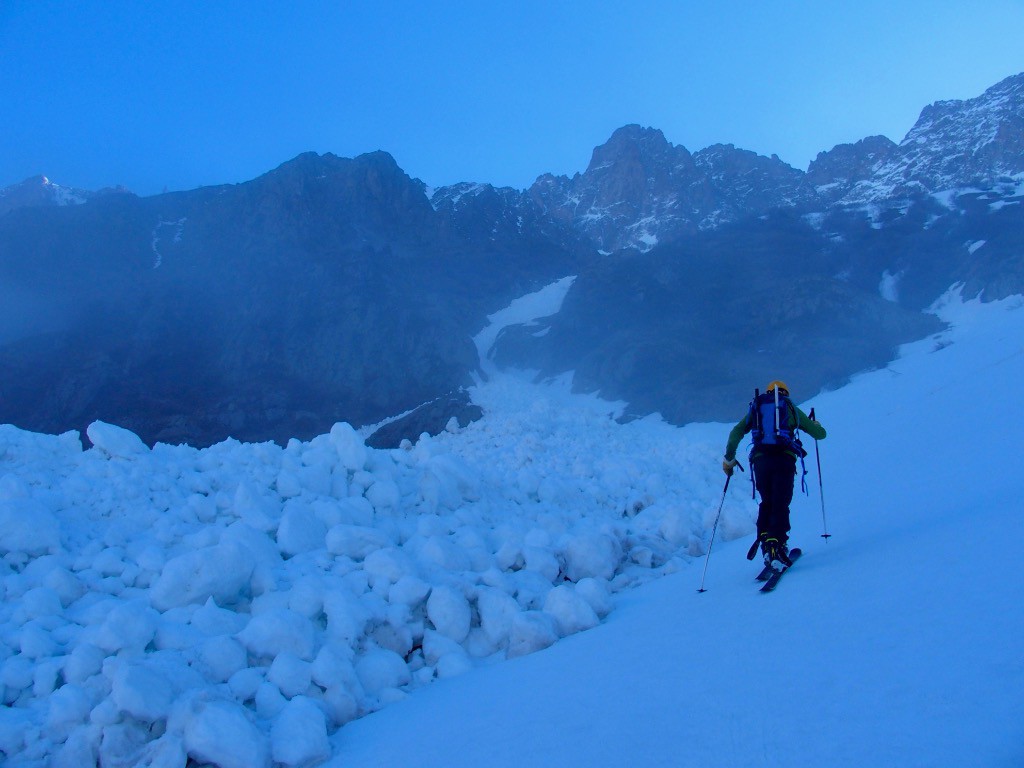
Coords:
pixel 955 143
pixel 39 190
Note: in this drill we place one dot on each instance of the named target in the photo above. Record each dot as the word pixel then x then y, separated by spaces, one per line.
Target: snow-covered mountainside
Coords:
pixel 639 190
pixel 977 142
pixel 39 190
pixel 249 605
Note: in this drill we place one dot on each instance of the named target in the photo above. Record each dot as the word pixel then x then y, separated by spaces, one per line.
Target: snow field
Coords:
pixel 895 643
pixel 237 605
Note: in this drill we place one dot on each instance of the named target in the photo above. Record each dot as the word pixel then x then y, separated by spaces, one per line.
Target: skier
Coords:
pixel 774 420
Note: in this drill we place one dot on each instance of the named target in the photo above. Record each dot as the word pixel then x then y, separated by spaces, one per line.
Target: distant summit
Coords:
pixel 40 191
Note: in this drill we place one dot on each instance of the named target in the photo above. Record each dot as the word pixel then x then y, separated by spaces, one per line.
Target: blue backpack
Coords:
pixel 773 423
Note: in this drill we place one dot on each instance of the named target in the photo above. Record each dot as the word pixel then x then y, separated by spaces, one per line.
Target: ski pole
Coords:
pixel 821 490
pixel 715 528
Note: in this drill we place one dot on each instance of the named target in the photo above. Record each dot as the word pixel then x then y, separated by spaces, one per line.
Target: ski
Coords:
pixel 765 573
pixel 774 577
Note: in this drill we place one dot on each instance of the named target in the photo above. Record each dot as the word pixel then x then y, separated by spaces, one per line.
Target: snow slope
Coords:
pixel 523 592
pixel 898 642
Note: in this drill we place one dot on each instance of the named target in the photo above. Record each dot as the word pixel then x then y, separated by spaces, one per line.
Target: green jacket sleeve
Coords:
pixel 737 433
pixel 812 428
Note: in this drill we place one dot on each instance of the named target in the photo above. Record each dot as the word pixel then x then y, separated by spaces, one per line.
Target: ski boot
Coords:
pixel 776 554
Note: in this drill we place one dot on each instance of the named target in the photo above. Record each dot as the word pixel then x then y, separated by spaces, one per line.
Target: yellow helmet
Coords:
pixel 780 384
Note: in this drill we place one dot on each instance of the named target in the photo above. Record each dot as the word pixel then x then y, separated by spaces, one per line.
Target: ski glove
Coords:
pixel 728 465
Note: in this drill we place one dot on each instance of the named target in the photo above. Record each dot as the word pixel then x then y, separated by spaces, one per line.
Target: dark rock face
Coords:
pixel 327 290
pixel 333 289
pixel 432 418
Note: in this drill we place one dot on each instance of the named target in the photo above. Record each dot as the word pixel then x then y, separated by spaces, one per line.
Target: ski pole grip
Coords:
pixel 812 415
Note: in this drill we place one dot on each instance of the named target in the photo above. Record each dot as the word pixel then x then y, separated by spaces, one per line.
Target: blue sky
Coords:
pixel 176 95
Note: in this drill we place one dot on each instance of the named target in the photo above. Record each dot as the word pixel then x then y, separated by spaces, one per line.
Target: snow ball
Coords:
pixel 221 572
pixel 245 682
pixel 542 561
pixel 79 749
pixel 453 665
pixel 288 484
pixel 114 441
pixel 387 565
pixel 346 616
pixel 571 612
pixel 36 642
pixel 84 661
pixel 268 700
pixel 306 597
pixel 497 611
pixel 384 495
pixel 531 589
pixel 46 572
pixel 252 508
pixel 597 594
pixel 379 669
pixel 14 724
pixel 109 562
pixel 40 602
pixel 341 706
pixel 333 668
pixel 300 531
pixel 220 733
pixel 592 553
pixel 67 707
pixel 315 478
pixel 211 619
pixel 531 631
pixel 130 625
pixel 298 736
pixel 221 657
pixel 408 591
pixel 450 613
pixel 16 673
pixel 443 552
pixel 355 541
pixel 277 631
pixel 509 556
pixel 142 691
pixel 676 527
pixel 26 525
pixel 290 674
pixel 349 445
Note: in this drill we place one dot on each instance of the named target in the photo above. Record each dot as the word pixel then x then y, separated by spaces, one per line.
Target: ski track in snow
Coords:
pixel 325 603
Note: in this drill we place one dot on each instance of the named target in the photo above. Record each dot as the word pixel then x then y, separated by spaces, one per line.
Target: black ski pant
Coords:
pixel 774 475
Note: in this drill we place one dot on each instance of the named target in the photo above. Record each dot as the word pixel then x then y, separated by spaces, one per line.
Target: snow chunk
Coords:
pixel 115 442
pixel 571 612
pixel 290 674
pixel 142 691
pixel 26 525
pixel 300 531
pixel 278 631
pixel 355 541
pixel 531 631
pixel 220 572
pixel 299 734
pixel 380 669
pixel 349 445
pixel 593 554
pixel 220 733
pixel 450 613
